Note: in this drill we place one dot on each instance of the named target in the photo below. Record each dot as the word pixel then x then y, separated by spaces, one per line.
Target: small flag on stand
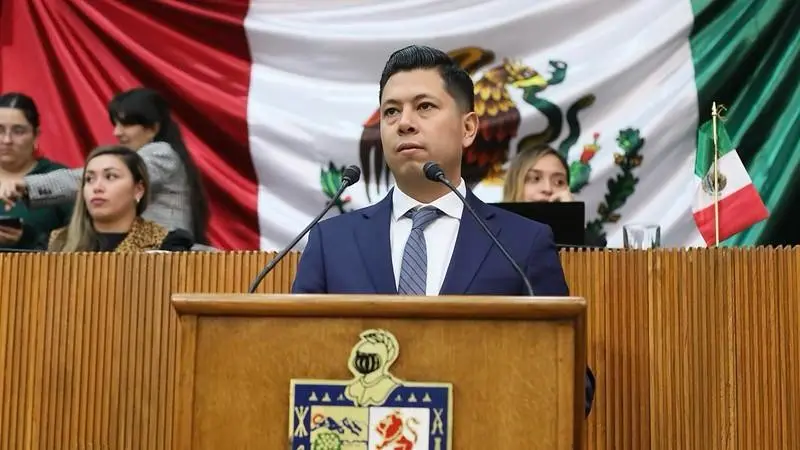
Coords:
pixel 726 201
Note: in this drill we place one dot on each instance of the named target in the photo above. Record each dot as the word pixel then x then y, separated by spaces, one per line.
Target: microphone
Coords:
pixel 350 176
pixel 435 173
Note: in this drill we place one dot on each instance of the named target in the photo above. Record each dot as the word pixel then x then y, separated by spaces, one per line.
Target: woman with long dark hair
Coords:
pixel 143 123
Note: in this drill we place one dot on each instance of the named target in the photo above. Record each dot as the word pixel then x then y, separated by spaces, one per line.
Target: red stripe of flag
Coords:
pixel 71 56
pixel 737 212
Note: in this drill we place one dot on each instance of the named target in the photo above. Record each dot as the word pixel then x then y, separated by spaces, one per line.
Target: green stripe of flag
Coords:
pixel 745 56
pixel 705 146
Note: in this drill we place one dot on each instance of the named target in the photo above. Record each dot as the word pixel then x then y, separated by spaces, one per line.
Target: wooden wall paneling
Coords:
pixel 691 348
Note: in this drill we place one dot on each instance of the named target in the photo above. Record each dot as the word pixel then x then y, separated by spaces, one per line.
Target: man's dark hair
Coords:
pixel 456 80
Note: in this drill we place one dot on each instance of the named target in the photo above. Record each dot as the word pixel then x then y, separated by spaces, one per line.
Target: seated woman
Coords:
pixel 108 214
pixel 142 122
pixel 538 174
pixel 23 228
pixel 541 174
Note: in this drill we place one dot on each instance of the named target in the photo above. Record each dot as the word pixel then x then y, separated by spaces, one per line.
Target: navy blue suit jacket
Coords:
pixel 351 254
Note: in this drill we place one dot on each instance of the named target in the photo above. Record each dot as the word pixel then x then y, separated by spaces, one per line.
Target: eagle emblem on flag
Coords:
pixel 499 118
pixel 485 161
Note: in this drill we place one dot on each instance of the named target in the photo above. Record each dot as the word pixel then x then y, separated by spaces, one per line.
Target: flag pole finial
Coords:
pixel 714 116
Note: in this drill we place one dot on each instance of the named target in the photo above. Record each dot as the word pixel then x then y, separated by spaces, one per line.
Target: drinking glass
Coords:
pixel 641 236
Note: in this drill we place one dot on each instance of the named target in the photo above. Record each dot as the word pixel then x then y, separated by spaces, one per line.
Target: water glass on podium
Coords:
pixel 641 236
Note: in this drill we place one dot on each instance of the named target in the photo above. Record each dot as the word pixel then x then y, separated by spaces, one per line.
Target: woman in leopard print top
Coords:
pixel 108 214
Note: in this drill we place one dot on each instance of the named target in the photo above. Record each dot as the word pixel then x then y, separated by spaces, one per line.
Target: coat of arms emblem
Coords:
pixel 373 411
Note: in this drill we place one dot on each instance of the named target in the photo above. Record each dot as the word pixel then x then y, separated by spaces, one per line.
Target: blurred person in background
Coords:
pixel 541 174
pixel 537 174
pixel 23 228
pixel 142 122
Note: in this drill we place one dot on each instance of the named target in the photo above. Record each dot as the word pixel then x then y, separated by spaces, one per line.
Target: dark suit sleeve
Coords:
pixel 310 277
pixel 544 266
pixel 589 391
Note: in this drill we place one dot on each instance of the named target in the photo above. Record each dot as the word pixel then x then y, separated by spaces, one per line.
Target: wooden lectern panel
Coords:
pixel 511 362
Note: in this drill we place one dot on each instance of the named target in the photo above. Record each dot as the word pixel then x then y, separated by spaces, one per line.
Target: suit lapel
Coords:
pixel 472 246
pixel 372 237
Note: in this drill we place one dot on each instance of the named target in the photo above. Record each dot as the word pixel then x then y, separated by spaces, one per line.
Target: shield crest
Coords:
pixel 375 410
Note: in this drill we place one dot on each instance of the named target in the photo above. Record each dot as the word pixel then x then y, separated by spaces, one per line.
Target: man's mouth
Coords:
pixel 409 146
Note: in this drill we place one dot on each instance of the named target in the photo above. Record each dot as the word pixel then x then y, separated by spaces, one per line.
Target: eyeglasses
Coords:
pixel 15 131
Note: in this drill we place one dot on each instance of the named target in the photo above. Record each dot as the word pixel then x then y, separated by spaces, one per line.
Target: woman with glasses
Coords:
pixel 22 228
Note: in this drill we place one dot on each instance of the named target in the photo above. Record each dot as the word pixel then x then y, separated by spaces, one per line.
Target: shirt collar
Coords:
pixel 449 204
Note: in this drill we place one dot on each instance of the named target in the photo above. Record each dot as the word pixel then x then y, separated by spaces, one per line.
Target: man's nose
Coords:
pixel 407 123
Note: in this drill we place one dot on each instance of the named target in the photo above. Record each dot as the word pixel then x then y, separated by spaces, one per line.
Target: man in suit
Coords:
pixel 419 240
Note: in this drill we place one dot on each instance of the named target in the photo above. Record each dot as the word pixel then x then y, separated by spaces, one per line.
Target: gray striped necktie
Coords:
pixel 414 267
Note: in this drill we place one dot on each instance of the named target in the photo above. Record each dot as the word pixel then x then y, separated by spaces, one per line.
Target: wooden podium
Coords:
pixel 516 366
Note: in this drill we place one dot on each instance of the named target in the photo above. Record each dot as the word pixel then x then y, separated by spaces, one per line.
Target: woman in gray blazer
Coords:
pixel 142 122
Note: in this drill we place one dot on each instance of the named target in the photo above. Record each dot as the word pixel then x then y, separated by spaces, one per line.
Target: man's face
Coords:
pixel 421 122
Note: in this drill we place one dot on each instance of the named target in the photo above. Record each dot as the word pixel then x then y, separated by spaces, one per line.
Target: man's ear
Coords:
pixel 470 128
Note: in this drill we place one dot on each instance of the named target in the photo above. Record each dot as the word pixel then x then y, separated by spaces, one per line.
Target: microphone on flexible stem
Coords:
pixel 350 176
pixel 435 173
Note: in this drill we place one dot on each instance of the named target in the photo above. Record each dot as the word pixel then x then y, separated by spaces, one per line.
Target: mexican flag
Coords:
pixel 275 98
pixel 726 202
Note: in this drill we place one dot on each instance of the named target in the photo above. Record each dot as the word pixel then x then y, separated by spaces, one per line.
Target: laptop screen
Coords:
pixel 566 219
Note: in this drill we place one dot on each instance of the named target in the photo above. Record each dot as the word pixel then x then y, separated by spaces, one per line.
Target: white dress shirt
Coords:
pixel 440 235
